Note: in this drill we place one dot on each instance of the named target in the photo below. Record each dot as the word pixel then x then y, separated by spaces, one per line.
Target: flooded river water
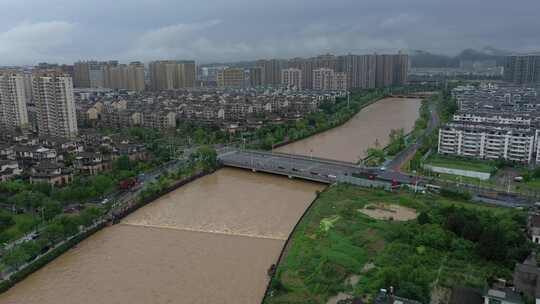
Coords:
pixel 350 141
pixel 210 241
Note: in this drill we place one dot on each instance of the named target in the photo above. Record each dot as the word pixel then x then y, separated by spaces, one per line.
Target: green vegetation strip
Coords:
pixel 461 164
pixel 451 243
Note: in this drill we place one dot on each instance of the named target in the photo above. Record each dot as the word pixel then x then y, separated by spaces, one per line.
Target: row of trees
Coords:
pixel 203 159
pixel 329 116
pixel 42 202
pixel 57 230
pixel 446 107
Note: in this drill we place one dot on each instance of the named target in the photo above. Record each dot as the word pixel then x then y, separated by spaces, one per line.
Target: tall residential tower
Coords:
pixel 55 105
pixel 13 112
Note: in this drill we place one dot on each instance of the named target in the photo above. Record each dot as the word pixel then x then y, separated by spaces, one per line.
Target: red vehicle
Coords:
pixel 128 183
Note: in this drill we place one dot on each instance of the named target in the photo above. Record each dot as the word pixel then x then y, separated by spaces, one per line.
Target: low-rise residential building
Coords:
pixel 494 122
pixel 53 173
pixel 486 141
pixel 526 278
pixel 502 295
pixel 92 163
pixel 9 169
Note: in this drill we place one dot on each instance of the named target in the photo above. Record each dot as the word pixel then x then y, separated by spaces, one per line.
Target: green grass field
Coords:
pixel 334 241
pixel 462 164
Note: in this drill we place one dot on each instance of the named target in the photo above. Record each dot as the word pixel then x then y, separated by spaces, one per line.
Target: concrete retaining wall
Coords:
pixel 467 173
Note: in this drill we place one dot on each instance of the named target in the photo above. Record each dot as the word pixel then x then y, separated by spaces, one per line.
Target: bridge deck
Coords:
pixel 314 169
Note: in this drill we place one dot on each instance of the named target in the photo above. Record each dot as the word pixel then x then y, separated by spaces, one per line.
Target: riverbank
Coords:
pixel 10 279
pixel 355 241
pixel 230 222
pixel 341 122
pixel 369 127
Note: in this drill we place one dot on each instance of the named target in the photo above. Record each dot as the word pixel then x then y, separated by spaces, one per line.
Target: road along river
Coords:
pixel 210 241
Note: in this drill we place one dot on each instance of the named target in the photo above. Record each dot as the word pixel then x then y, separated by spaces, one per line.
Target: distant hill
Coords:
pixel 423 59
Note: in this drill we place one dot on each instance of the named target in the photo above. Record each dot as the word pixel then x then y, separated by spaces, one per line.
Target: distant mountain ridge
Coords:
pixel 424 59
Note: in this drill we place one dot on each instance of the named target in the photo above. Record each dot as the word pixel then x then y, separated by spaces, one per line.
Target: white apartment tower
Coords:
pixel 291 78
pixel 325 79
pixel 13 113
pixel 55 105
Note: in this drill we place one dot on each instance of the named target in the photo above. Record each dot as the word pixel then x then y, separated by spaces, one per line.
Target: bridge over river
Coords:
pixel 311 168
pixel 331 171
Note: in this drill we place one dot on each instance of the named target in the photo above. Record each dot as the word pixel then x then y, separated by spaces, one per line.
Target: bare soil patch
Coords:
pixel 382 211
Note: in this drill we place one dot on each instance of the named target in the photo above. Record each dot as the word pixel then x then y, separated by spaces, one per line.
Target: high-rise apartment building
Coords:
pixel 95 74
pixel 272 71
pixel 340 81
pixel 13 112
pixel 522 69
pixel 55 105
pixel 170 74
pixel 291 78
pixel 124 77
pixel 384 74
pixel 188 73
pixel 323 79
pixel 360 70
pixel 81 74
pixel 231 77
pixel 135 76
pixel 400 69
pixel 256 76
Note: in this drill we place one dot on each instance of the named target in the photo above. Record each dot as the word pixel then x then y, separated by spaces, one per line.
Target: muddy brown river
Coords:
pixel 210 241
pixel 350 141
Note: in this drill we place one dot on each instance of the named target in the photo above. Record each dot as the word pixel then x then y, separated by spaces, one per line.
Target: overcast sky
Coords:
pixel 64 31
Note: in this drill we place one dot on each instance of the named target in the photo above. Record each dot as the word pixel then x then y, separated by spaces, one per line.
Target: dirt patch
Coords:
pixel 352 280
pixel 368 267
pixel 382 211
pixel 340 296
pixel 376 246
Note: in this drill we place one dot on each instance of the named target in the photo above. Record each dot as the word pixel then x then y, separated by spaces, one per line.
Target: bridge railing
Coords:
pixel 303 157
pixel 276 170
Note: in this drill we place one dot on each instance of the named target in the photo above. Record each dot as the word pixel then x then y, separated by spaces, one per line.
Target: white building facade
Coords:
pixel 55 105
pixel 490 142
pixel 13 112
pixel 291 78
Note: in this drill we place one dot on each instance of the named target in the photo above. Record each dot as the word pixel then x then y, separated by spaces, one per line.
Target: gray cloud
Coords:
pixel 34 40
pixel 226 30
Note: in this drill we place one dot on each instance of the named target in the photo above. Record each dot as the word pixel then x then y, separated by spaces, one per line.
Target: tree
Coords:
pixel 89 215
pixel 200 136
pixel 28 200
pixel 122 163
pixel 103 184
pixel 375 156
pixel 16 257
pixel 32 248
pixel 269 142
pixel 51 209
pixel 70 225
pixel 492 244
pixel 397 141
pixel 6 221
pixel 206 156
pixel 423 218
pixel 54 232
